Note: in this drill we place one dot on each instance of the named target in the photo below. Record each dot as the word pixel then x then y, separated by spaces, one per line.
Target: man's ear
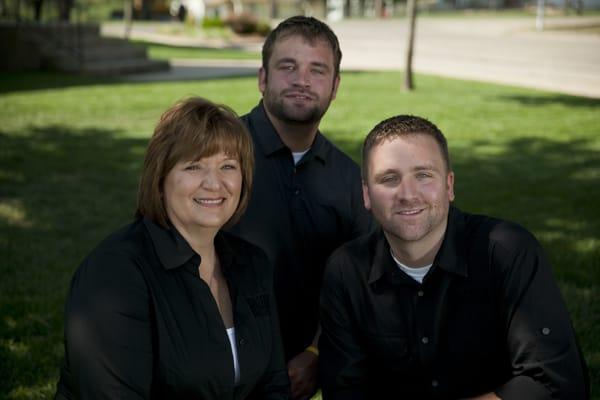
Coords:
pixel 450 185
pixel 336 84
pixel 366 198
pixel 262 80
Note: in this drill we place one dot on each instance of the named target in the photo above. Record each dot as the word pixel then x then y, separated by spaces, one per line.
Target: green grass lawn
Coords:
pixel 166 52
pixel 71 150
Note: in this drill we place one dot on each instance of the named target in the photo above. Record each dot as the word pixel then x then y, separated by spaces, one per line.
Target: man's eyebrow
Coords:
pixel 286 60
pixel 425 167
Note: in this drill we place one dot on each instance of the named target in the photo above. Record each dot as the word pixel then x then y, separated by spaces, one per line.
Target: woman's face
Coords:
pixel 203 193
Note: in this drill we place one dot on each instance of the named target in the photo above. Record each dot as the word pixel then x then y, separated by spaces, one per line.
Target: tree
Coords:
pixel 37 9
pixel 127 16
pixel 411 13
pixel 64 9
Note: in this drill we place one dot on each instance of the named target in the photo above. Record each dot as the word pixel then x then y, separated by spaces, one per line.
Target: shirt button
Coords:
pixel 420 293
pixel 435 383
pixel 545 331
pixel 425 340
pixel 297 192
pixel 242 341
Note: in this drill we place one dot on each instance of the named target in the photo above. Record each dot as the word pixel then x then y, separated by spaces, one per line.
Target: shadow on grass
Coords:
pixel 19 81
pixel 549 99
pixel 61 192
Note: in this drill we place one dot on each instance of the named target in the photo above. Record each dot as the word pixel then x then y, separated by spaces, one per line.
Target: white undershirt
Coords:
pixel 416 273
pixel 298 155
pixel 236 364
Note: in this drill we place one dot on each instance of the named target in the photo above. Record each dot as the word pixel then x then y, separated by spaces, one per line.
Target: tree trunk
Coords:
pixel 411 12
pixel 127 17
pixel 37 9
pixel 273 9
pixel 64 10
pixel 378 5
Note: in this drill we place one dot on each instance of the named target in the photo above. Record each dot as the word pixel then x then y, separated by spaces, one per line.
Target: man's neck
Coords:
pixel 418 253
pixel 297 137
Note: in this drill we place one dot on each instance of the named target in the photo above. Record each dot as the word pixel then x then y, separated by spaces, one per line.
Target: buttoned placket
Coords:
pixel 425 297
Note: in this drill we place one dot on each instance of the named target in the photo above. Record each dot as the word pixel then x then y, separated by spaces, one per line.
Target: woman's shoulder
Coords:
pixel 118 252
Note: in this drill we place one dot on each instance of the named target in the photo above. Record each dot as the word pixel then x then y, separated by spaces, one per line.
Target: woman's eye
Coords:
pixel 192 167
pixel 229 167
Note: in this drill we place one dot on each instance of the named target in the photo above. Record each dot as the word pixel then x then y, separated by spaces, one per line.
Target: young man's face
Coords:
pixel 300 82
pixel 408 189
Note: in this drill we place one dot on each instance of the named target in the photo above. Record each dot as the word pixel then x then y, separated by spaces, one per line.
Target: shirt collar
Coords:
pixel 382 257
pixel 269 141
pixel 174 251
pixel 451 256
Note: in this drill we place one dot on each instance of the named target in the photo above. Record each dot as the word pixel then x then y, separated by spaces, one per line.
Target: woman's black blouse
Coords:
pixel 141 324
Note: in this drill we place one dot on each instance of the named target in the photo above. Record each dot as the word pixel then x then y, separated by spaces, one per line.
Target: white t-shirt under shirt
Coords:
pixel 236 364
pixel 298 155
pixel 416 273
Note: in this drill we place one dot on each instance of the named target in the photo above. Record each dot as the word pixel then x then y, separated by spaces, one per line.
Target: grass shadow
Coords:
pixel 554 99
pixel 63 190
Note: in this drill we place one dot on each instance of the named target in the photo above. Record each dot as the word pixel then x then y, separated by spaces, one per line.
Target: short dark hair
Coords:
pixel 192 129
pixel 311 29
pixel 398 126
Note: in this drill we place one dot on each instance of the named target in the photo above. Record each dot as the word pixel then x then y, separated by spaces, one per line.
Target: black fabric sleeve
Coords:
pixel 543 350
pixel 342 361
pixel 107 329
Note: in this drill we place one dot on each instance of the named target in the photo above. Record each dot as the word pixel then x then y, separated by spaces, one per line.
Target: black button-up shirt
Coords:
pixel 487 317
pixel 140 323
pixel 299 214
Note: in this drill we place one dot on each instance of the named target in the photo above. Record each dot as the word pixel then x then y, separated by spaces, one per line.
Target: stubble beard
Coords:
pixel 410 233
pixel 292 115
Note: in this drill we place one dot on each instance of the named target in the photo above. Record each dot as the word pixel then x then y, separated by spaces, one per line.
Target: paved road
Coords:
pixel 501 50
pixel 494 50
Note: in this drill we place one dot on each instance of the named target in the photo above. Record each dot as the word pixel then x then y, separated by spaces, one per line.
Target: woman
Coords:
pixel 171 306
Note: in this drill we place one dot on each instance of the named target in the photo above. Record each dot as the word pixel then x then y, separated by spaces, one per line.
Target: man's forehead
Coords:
pixel 282 45
pixel 392 145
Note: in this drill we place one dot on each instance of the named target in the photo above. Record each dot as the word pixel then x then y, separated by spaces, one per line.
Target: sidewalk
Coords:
pixel 500 50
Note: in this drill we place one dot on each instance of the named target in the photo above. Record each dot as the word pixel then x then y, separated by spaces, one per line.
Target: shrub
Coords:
pixel 214 22
pixel 246 24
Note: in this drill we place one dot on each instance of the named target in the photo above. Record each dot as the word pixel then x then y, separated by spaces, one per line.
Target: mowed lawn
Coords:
pixel 71 150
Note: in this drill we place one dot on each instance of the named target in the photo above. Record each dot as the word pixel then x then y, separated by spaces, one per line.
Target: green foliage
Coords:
pixel 71 149
pixel 214 22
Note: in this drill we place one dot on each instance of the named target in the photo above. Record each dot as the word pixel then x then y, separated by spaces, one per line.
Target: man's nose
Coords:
pixel 302 77
pixel 406 189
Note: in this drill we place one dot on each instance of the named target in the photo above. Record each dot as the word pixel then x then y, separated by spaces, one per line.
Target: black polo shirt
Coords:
pixel 487 317
pixel 299 214
pixel 140 323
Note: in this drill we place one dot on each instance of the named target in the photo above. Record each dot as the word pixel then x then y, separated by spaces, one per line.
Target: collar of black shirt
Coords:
pixel 451 256
pixel 269 141
pixel 174 251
